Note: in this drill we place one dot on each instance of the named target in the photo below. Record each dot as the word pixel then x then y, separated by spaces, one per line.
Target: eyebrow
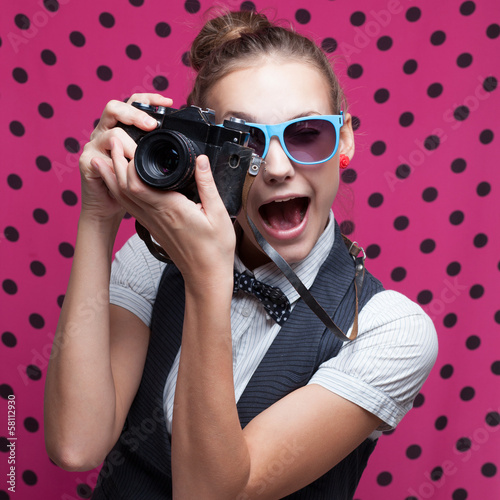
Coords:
pixel 249 118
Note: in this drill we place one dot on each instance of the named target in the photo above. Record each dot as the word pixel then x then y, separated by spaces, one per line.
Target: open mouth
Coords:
pixel 284 215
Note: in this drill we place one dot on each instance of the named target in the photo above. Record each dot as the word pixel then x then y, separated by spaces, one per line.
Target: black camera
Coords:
pixel 165 158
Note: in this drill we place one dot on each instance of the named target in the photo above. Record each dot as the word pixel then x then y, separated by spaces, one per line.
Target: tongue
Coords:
pixel 284 215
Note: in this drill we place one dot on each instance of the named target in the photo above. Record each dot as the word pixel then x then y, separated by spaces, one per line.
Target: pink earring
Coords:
pixel 343 161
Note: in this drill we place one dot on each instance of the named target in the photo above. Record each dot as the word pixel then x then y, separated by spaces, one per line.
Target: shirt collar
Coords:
pixel 306 269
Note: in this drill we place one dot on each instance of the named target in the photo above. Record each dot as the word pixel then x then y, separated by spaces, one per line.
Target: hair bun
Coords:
pixel 221 30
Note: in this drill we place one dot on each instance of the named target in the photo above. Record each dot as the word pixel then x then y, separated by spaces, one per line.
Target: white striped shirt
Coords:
pixel 382 370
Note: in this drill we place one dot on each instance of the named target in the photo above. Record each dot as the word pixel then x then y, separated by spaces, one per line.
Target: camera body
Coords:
pixel 166 157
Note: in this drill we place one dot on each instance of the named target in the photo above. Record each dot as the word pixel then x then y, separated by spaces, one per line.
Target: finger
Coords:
pixel 207 190
pixel 153 99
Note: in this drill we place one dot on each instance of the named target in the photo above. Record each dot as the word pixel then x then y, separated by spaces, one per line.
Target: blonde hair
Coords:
pixel 232 40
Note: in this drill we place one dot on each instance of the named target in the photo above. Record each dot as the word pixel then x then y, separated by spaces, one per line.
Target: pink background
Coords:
pixel 430 228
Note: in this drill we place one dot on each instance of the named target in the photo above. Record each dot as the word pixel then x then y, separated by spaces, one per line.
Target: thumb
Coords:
pixel 209 195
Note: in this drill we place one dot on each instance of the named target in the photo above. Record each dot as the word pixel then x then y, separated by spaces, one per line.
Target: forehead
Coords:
pixel 268 91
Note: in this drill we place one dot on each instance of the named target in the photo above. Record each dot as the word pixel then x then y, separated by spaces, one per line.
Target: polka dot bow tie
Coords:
pixel 275 302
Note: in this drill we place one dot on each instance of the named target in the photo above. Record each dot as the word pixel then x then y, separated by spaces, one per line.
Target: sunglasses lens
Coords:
pixel 310 140
pixel 257 141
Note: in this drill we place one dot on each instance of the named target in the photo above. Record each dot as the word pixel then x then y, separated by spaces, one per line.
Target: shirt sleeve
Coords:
pixel 384 368
pixel 135 276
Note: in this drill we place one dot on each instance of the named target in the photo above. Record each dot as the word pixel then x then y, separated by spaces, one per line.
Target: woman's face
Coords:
pixel 289 203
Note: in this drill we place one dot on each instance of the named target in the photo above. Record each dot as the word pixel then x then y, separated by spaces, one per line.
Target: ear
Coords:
pixel 346 139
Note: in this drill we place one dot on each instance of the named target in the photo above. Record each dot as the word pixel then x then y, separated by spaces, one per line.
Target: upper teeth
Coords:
pixel 285 199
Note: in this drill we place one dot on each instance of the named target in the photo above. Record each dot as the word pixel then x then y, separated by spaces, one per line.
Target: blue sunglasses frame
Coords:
pixel 278 130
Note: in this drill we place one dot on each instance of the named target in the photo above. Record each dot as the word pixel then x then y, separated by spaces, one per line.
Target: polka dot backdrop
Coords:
pixel 421 197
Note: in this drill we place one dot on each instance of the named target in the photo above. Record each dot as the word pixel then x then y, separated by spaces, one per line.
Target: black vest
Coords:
pixel 138 467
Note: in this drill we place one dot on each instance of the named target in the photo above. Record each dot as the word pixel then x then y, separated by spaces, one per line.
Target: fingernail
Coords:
pixel 204 165
pixel 94 164
pixel 150 121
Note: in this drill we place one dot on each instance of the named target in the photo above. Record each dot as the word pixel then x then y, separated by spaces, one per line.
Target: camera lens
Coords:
pixel 166 159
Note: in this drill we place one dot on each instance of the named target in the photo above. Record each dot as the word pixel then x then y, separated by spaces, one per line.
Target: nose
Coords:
pixel 278 167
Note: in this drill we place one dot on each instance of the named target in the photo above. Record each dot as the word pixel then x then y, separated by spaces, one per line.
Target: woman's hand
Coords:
pixel 96 200
pixel 199 237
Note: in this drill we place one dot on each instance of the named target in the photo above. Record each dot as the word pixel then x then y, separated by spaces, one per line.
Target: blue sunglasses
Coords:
pixel 307 140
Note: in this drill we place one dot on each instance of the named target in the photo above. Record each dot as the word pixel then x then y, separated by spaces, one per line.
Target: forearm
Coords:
pixel 80 394
pixel 209 453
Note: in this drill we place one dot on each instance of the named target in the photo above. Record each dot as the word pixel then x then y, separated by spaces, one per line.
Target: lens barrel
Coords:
pixel 166 159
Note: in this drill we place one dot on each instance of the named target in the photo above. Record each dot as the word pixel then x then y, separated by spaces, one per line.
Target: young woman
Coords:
pixel 185 386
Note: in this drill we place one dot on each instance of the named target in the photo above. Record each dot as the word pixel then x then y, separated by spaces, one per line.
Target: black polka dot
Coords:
pixel 473 342
pixel 9 339
pixel 70 198
pixel 438 37
pixel 6 391
pixel 467 8
pixel 192 6
pixel 489 469
pixel 493 30
pixel 458 165
pixel 31 424
pixel 486 136
pixel 381 95
pixel 71 145
pixel 430 194
pixel 384 43
pixel 347 227
pixel 384 478
pixel 133 51
pixel 419 400
pixel 497 317
pixel 453 268
pixel 248 6
pixel 11 233
pixel 66 250
pixel 406 119
pixel 43 163
pixel 186 59
pixel 302 16
pixel 349 176
pixel 29 477
pixel 464 60
pixel 160 83
pixel 480 240
pixel 60 300
pixel 398 274
pixel 375 200
pixel 22 21
pixel 51 5
pixel 427 246
pixel 463 444
pixel 40 215
pixel 37 268
pixel 14 181
pixel 36 321
pixel 136 3
pixel 48 57
pixel 436 473
pixel 450 320
pixel 45 110
pixel 356 122
pixel 441 423
pixel 467 393
pixel 33 372
pixel 424 297
pixel 414 451
pixel 403 171
pixel 163 29
pixel 9 286
pixel 84 490
pixel 432 142
pixel 16 128
pixel 495 368
pixel 461 113
pixel 410 66
pixel 373 251
pixel 20 75
pixel 354 71
pixel 435 90
pixel 476 291
pixel 107 20
pixel 413 14
pixel 378 148
pixel 490 84
pixel 77 38
pixel 74 92
pixel 492 418
pixel 358 18
pixel 457 217
pixel 401 222
pixel 104 73
pixel 329 45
